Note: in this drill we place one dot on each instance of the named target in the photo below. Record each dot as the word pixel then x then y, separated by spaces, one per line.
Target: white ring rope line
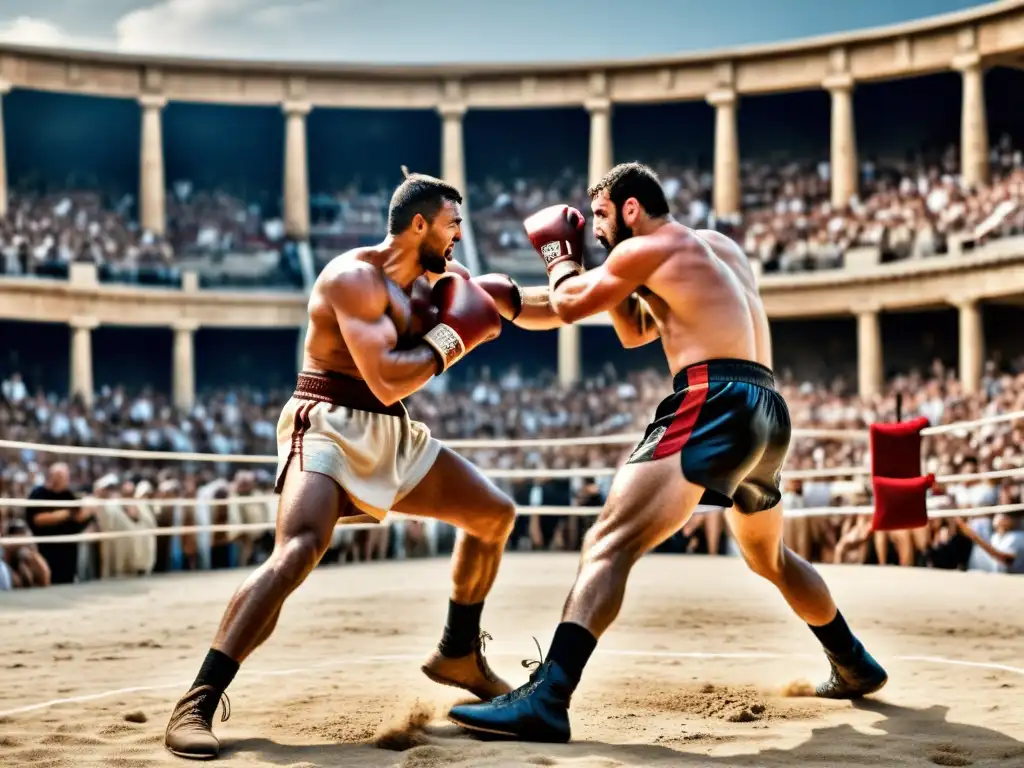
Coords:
pixel 796 474
pixel 92 501
pixel 540 472
pixel 942 429
pixel 253 675
pixel 621 439
pixel 80 538
pixel 358 525
pixel 993 474
pixel 977 511
pixel 131 453
pixel 241 458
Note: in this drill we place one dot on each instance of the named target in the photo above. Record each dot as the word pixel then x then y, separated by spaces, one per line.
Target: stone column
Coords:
pixel 152 205
pixel 5 88
pixel 296 170
pixel 601 149
pixel 869 353
pixel 568 355
pixel 184 371
pixel 973 120
pixel 972 345
pixel 453 148
pixel 727 153
pixel 81 357
pixel 844 141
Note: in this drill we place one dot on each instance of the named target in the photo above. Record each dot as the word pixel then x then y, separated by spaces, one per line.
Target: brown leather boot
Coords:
pixel 190 730
pixel 470 673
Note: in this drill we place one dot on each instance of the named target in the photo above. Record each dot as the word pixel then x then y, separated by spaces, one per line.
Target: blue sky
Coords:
pixel 415 31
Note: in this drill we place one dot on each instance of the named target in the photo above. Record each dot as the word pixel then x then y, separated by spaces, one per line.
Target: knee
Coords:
pixel 766 562
pixel 497 525
pixel 292 561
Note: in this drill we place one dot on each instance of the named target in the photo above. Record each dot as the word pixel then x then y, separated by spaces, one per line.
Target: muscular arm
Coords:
pixel 537 313
pixel 633 322
pixel 606 287
pixel 360 301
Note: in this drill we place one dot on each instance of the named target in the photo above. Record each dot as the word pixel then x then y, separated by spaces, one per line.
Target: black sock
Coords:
pixel 835 636
pixel 218 671
pixel 462 631
pixel 571 648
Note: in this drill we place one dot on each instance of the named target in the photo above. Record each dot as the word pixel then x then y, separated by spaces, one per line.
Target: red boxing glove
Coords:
pixel 467 317
pixel 505 291
pixel 557 234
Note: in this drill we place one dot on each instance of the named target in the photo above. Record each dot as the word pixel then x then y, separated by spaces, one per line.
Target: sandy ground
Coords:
pixel 694 673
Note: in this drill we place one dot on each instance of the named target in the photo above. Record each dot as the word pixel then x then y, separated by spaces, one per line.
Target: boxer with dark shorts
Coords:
pixel 731 430
pixel 719 439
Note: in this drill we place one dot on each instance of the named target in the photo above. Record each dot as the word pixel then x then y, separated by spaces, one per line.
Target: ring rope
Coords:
pixel 496 473
pixel 244 458
pixel 620 439
pixel 79 538
pixel 565 473
pixel 942 429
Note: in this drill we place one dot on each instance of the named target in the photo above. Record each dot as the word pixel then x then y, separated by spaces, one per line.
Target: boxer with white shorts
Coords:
pixel 383 320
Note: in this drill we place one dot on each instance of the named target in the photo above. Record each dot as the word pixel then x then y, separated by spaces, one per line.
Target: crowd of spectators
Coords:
pixel 904 209
pixel 505 406
pixel 43 234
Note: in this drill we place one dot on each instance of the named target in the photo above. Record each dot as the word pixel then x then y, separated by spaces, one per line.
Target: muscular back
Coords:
pixel 730 252
pixel 699 303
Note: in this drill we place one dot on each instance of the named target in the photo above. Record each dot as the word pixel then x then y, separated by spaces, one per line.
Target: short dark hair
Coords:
pixel 420 194
pixel 628 180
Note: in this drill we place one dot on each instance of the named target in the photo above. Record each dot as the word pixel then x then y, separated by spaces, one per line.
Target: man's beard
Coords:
pixel 433 262
pixel 622 232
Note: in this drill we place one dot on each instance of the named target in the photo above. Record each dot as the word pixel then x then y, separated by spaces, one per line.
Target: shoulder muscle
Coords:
pixel 357 288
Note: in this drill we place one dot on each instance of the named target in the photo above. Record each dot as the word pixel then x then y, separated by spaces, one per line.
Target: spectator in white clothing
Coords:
pixel 1005 547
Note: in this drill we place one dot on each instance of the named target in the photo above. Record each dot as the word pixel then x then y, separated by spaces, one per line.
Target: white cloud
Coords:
pixel 25 30
pixel 29 30
pixel 185 26
pixel 283 14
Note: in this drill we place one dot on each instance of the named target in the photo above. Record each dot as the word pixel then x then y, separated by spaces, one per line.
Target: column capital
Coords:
pixel 301 108
pixel 840 81
pixel 152 101
pixel 966 60
pixel 185 325
pixel 963 301
pixel 723 97
pixel 452 110
pixel 598 104
pixel 84 322
pixel 866 308
pixel 5 87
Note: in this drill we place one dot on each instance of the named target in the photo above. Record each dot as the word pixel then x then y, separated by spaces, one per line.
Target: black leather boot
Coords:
pixel 538 711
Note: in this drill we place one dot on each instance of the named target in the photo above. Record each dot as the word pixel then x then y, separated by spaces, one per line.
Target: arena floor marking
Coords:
pixel 360 660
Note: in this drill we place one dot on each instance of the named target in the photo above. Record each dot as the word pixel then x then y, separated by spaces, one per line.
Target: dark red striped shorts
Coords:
pixel 731 430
